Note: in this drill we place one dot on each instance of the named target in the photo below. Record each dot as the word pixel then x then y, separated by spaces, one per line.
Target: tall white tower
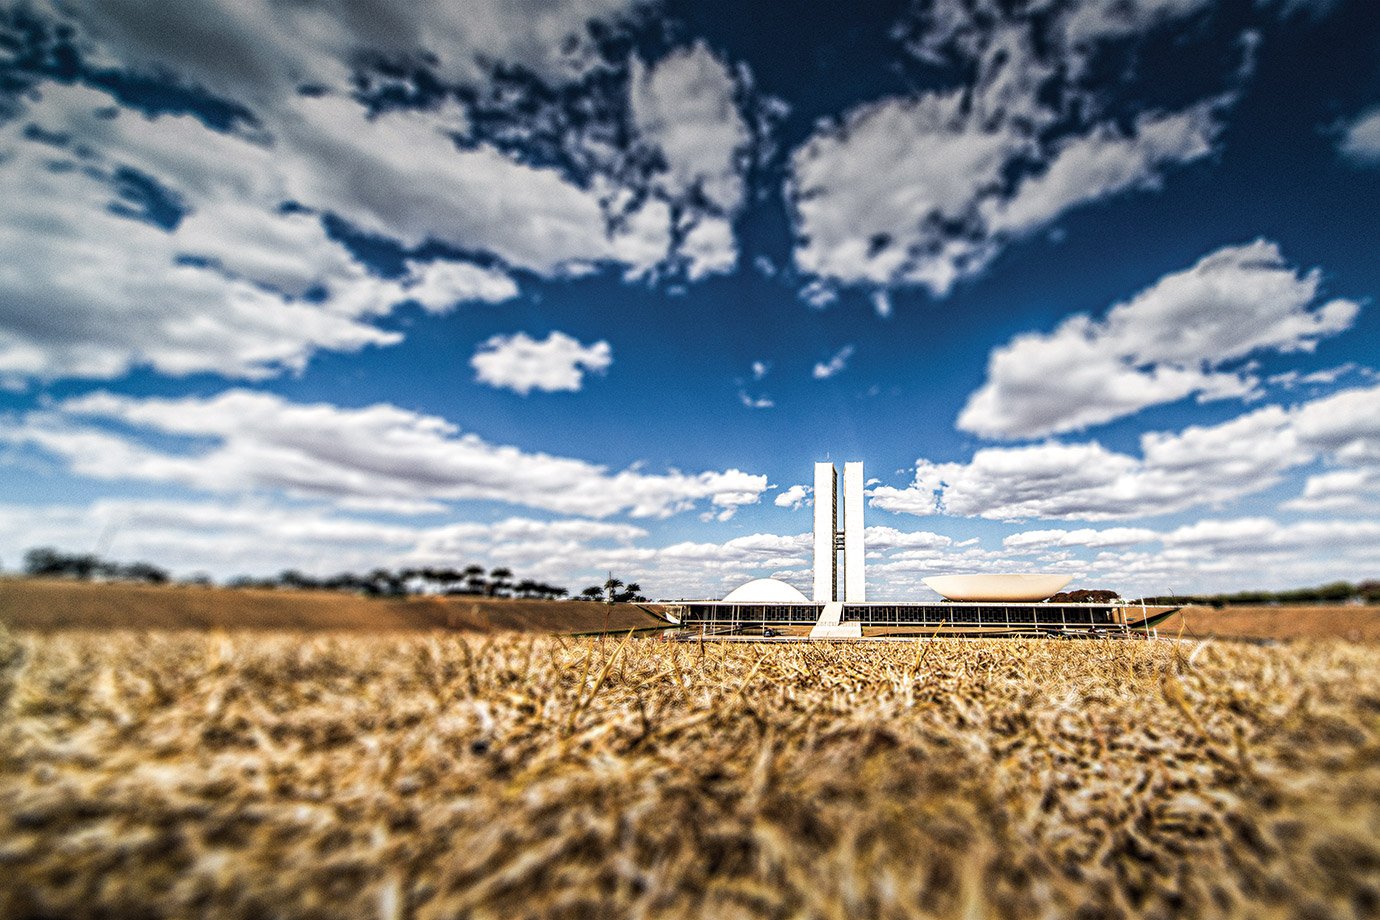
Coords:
pixel 826 532
pixel 854 568
pixel 829 539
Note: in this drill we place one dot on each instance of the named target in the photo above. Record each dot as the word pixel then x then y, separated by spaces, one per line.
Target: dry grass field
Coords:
pixel 57 604
pixel 1298 622
pixel 255 775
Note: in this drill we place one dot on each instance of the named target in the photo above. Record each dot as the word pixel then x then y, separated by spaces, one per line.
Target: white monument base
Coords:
pixel 829 627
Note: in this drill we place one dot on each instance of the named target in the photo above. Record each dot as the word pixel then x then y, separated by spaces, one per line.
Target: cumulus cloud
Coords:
pixel 926 190
pixel 1346 428
pixel 823 370
pixel 793 497
pixel 262 51
pixel 1170 341
pixel 684 106
pixel 257 443
pixel 1199 466
pixel 94 285
pixel 1214 554
pixel 212 234
pixel 523 364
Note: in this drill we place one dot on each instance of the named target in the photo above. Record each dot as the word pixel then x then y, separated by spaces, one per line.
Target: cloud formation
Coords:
pixel 522 364
pixel 926 190
pixel 190 232
pixel 1199 466
pixel 244 442
pixel 99 280
pixel 262 51
pixel 1172 340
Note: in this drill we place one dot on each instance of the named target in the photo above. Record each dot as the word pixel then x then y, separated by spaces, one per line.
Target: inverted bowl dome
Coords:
pixel 766 591
pixel 997 587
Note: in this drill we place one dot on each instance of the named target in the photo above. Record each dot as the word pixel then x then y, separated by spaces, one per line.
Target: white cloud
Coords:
pixel 261 50
pixel 760 369
pixel 1166 343
pixel 246 442
pixel 556 363
pixel 1345 426
pixel 1360 141
pixel 258 537
pixel 865 192
pixel 1032 540
pixel 238 287
pixel 708 248
pixel 684 106
pixel 1352 490
pixel 888 538
pixel 1101 163
pixel 823 370
pixel 927 190
pixel 793 497
pixel 755 402
pixel 1199 466
pixel 1264 536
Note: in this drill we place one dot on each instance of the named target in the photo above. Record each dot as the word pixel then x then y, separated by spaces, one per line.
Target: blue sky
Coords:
pixel 587 285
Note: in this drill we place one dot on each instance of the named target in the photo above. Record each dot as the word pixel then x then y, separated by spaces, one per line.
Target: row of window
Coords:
pixel 902 614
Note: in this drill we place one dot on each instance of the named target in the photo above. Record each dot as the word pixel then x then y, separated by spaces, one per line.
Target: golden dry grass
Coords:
pixel 435 776
pixel 1293 622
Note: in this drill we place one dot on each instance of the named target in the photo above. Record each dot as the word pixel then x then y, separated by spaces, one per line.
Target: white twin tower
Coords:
pixel 829 539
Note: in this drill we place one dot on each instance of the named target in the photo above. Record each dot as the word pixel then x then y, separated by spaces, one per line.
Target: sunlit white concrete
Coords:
pixel 766 591
pixel 1012 587
pixel 854 552
pixel 826 532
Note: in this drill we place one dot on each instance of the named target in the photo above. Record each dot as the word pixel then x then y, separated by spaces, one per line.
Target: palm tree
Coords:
pixel 592 593
pixel 611 587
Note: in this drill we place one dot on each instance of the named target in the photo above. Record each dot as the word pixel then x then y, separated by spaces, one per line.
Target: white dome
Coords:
pixel 766 591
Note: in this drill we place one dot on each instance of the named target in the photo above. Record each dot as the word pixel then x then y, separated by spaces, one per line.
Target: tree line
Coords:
pixel 46 562
pixel 1336 592
pixel 473 580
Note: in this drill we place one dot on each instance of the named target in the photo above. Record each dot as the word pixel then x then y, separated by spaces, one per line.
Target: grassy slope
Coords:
pixel 1355 623
pixel 37 604
pixel 429 777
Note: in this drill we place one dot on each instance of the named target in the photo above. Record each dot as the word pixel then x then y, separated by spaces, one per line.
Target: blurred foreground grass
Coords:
pixel 430 776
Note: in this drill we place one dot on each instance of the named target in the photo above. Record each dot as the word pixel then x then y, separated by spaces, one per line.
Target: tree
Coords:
pixel 592 593
pixel 500 579
pixel 474 579
pixel 631 594
pixel 47 562
pixel 143 571
pixel 291 578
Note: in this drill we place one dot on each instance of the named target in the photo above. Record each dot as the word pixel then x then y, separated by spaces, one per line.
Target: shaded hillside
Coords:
pixel 41 604
pixel 1337 620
